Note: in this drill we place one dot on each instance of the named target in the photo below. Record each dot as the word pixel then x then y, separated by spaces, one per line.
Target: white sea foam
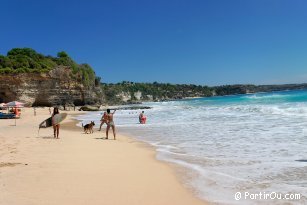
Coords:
pixel 228 144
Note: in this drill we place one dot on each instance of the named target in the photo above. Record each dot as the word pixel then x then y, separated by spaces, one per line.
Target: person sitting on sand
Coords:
pixel 110 123
pixel 103 120
pixel 56 128
pixel 16 112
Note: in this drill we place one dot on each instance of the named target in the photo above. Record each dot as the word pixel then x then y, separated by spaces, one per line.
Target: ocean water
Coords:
pixel 254 143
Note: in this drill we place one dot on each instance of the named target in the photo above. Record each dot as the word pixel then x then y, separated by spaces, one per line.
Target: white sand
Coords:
pixel 81 169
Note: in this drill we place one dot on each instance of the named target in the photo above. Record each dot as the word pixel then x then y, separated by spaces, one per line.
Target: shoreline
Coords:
pixel 178 170
pixel 77 168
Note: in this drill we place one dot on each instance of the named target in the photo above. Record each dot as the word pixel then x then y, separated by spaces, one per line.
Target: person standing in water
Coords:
pixel 110 123
pixel 142 118
pixel 103 120
pixel 56 128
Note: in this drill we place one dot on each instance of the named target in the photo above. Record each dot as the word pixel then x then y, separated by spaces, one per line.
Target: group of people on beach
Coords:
pixel 107 118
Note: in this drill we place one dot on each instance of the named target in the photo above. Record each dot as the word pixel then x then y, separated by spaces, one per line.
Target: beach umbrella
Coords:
pixel 14 104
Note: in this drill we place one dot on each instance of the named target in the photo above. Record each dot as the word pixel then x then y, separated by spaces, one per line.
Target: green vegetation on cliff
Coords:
pixel 127 92
pixel 27 60
pixel 152 91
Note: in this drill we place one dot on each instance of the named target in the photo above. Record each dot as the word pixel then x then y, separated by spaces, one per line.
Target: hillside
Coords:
pixel 40 80
pixel 127 92
pixel 130 92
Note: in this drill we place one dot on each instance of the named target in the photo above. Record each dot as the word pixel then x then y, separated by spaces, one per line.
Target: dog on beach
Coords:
pixel 88 128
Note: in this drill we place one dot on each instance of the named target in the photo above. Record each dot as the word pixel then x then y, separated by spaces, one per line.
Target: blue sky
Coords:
pixel 178 41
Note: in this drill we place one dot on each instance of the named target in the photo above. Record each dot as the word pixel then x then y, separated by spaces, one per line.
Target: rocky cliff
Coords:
pixel 56 87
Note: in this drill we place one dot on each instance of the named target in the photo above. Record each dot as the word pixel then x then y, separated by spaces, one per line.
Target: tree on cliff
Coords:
pixel 62 54
pixel 23 60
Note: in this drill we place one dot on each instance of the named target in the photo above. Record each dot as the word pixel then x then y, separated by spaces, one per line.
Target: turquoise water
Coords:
pixel 258 98
pixel 255 143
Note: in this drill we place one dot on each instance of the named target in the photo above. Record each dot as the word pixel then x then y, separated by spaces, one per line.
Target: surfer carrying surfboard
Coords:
pixel 56 127
pixel 53 121
pixel 110 123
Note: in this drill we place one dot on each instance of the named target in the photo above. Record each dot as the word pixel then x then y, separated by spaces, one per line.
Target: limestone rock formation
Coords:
pixel 57 87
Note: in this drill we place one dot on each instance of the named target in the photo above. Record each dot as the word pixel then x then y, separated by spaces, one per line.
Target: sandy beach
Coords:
pixel 81 168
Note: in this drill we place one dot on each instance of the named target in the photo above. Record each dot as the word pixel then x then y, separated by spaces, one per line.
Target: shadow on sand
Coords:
pixel 46 137
pixel 101 138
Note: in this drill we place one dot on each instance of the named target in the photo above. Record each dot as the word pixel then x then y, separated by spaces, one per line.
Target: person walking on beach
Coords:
pixel 103 120
pixel 56 128
pixel 110 123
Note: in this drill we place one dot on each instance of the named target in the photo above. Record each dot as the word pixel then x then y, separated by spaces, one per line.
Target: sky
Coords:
pixel 205 42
